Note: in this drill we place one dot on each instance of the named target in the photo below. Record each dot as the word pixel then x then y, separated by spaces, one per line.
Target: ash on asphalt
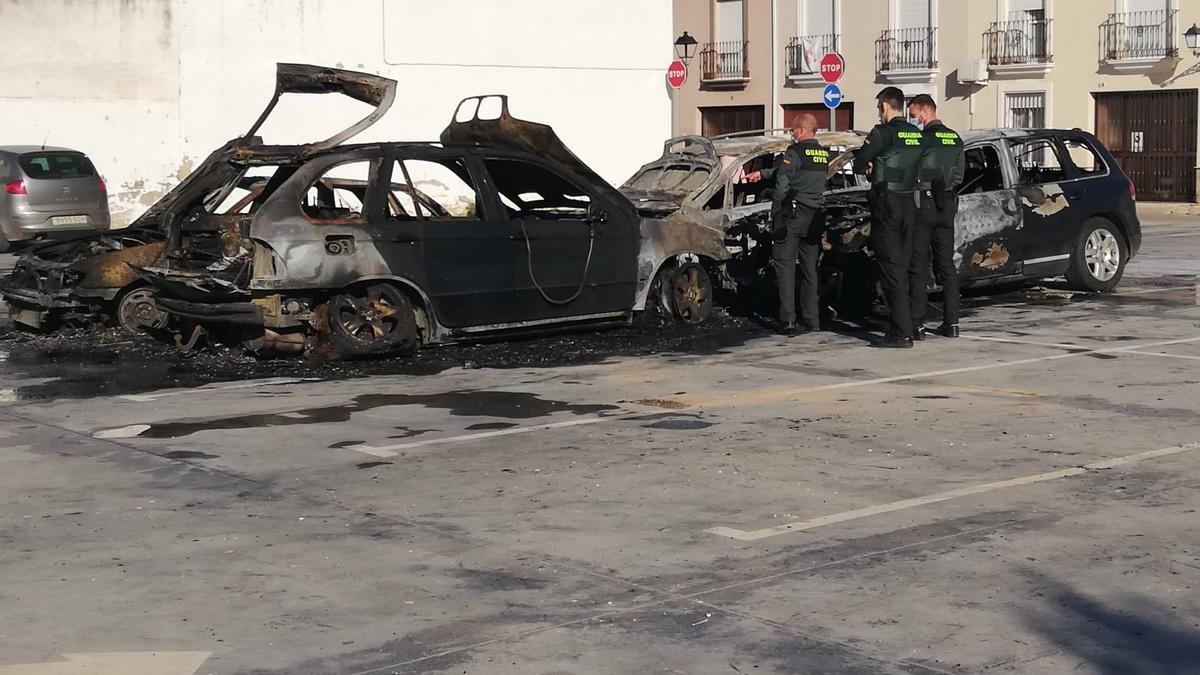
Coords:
pixel 84 363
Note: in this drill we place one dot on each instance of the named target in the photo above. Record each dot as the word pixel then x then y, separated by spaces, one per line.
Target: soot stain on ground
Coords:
pixel 488 426
pixel 506 404
pixel 372 465
pixel 189 454
pixel 86 363
pixel 679 425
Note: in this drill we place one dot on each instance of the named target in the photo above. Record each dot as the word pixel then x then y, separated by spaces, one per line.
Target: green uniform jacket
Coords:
pixel 895 151
pixel 943 161
pixel 800 174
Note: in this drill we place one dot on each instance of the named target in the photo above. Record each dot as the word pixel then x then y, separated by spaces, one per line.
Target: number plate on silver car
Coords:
pixel 69 220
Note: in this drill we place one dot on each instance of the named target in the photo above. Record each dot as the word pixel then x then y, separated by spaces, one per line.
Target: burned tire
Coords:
pixel 136 311
pixel 690 293
pixel 1098 258
pixel 372 319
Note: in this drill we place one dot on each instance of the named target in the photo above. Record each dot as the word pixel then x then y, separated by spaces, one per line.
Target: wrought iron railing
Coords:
pixel 1016 42
pixel 724 61
pixel 906 49
pixel 1139 35
pixel 804 53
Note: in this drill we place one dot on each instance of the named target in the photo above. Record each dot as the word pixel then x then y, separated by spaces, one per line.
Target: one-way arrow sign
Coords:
pixel 832 96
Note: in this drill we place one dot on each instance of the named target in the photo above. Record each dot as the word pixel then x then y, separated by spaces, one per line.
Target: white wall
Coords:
pixel 149 87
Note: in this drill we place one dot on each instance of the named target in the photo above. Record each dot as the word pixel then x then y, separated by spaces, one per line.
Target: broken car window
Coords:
pixel 983 172
pixel 1037 162
pixel 338 195
pixel 1084 157
pixel 447 183
pixel 529 190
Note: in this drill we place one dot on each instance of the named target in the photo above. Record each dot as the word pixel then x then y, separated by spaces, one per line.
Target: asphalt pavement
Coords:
pixel 1023 499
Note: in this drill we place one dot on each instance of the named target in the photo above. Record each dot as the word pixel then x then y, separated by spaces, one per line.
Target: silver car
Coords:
pixel 49 192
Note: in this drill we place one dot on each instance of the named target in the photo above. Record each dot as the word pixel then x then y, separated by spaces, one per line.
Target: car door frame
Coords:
pixel 444 256
pixel 609 287
pixel 985 224
pixel 1050 226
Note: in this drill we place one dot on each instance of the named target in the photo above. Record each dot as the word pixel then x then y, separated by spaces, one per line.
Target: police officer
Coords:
pixel 890 156
pixel 941 172
pixel 796 197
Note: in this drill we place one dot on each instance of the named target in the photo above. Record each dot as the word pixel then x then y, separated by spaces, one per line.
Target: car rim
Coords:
pixel 371 314
pixel 690 294
pixel 139 311
pixel 1102 254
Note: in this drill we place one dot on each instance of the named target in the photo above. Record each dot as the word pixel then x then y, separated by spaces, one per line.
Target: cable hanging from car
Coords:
pixel 582 279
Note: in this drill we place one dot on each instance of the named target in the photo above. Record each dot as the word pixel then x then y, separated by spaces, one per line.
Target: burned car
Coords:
pixel 496 228
pixel 200 222
pixel 1033 204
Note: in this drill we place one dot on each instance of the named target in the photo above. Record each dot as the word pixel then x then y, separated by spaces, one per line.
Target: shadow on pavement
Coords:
pixel 1131 634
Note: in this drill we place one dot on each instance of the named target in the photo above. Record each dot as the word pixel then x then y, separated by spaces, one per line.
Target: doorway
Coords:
pixel 1152 135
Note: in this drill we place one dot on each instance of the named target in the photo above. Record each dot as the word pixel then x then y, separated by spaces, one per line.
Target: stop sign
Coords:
pixel 832 67
pixel 676 74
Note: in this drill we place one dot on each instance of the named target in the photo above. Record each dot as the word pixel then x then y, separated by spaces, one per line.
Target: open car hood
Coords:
pixel 228 162
pixel 468 127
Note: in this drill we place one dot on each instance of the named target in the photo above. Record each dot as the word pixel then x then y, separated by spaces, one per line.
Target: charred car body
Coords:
pixel 200 221
pixel 383 247
pixel 1033 204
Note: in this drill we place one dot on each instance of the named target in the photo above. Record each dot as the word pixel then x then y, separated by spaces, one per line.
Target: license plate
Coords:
pixel 69 220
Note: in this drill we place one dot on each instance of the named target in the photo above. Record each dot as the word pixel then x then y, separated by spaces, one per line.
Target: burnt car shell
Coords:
pixel 85 275
pixel 296 285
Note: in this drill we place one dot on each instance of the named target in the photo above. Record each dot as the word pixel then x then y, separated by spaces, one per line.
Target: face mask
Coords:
pixel 916 123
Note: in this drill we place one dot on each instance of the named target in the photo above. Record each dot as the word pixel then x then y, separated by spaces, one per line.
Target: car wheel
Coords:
pixel 372 319
pixel 691 293
pixel 136 311
pixel 1098 258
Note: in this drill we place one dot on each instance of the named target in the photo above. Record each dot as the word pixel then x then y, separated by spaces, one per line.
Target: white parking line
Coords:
pixel 393 450
pixel 1169 356
pixel 1143 291
pixel 1017 341
pixel 803 525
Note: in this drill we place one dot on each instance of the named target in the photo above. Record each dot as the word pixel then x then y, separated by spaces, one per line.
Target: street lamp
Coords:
pixel 1192 36
pixel 685 45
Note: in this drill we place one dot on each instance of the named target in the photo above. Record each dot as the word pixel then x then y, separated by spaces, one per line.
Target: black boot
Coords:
pixel 949 330
pixel 789 328
pixel 919 334
pixel 893 342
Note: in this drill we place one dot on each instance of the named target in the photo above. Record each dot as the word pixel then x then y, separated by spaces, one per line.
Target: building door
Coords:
pixel 845 115
pixel 730 119
pixel 1153 137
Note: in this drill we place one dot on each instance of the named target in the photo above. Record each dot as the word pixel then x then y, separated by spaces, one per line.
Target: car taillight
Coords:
pixel 16 187
pixel 1132 189
pixel 103 185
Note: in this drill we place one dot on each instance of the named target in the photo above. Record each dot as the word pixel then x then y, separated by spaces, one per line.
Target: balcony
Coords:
pixel 907 55
pixel 1132 41
pixel 804 56
pixel 723 64
pixel 1018 47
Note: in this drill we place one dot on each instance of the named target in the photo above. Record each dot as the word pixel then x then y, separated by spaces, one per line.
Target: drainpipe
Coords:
pixel 776 117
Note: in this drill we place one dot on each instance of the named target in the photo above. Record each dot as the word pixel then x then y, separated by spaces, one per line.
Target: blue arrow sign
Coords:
pixel 832 96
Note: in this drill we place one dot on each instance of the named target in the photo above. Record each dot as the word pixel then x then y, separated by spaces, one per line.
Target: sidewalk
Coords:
pixel 1151 210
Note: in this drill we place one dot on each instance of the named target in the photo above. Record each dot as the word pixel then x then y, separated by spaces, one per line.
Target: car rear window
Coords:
pixel 55 165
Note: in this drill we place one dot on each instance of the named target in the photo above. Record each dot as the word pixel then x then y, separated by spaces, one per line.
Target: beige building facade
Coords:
pixel 1118 68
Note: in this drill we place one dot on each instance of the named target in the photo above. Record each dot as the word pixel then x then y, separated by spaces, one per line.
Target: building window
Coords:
pixel 910 43
pixel 1023 38
pixel 1145 30
pixel 816 34
pixel 724 60
pixel 1026 110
